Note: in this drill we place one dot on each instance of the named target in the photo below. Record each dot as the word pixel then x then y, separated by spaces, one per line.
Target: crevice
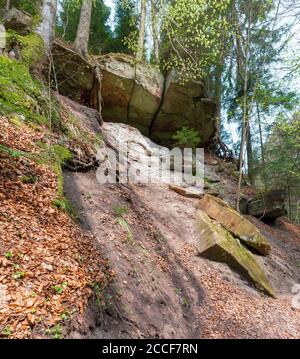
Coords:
pixel 159 108
pixel 131 95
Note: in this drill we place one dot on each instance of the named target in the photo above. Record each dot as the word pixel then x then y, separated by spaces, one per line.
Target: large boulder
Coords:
pixel 118 78
pixel 237 225
pixel 184 105
pixel 217 244
pixel 131 92
pixel 75 75
pixel 146 97
pixel 144 161
pixel 134 94
pixel 269 206
pixel 16 20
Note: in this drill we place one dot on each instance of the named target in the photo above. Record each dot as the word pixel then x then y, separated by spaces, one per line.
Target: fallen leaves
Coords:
pixel 48 266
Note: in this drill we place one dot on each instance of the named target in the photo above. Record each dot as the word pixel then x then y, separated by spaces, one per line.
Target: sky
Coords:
pixel 110 3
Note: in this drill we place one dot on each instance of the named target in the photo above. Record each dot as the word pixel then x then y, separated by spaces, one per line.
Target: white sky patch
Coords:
pixel 111 21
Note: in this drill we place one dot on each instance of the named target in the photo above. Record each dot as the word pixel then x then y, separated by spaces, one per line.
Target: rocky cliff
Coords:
pixel 135 94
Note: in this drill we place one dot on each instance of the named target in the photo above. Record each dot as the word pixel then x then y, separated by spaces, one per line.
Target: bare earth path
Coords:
pixel 162 288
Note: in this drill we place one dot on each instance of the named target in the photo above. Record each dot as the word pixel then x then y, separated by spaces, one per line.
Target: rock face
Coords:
pixel 218 244
pixel 146 97
pixel 183 105
pixel 144 161
pixel 234 223
pixel 74 74
pixel 117 87
pixel 16 20
pixel 135 94
pixel 131 94
pixel 270 206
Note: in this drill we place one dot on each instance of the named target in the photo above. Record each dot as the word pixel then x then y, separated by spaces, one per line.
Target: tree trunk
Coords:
pixel 47 27
pixel 250 157
pixel 140 46
pixel 154 32
pixel 260 134
pixel 218 96
pixel 245 120
pixel 83 31
pixel 7 5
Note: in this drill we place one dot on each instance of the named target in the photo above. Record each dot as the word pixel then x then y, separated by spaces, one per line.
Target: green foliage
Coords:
pixel 282 165
pixel 126 29
pixel 31 46
pixel 18 92
pixel 55 332
pixel 187 137
pixel 7 331
pixel 30 6
pixel 9 255
pixel 193 33
pixel 126 227
pixel 22 95
pixel 19 275
pixel 59 288
pixel 100 32
pixel 28 179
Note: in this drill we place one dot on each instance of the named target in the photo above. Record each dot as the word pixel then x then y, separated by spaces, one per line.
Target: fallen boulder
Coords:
pixel 269 206
pixel 189 191
pixel 237 225
pixel 183 106
pixel 217 244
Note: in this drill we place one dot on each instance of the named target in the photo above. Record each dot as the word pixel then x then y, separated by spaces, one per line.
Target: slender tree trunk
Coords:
pixel 83 31
pixel 218 96
pixel 250 157
pixel 7 5
pixel 154 31
pixel 141 40
pixel 47 27
pixel 260 135
pixel 245 121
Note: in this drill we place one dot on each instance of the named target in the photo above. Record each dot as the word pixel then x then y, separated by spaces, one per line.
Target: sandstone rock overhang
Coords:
pixel 217 244
pixel 237 225
pixel 135 94
pixel 17 20
pixel 269 206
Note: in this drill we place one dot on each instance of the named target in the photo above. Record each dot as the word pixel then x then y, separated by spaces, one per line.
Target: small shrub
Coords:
pixel 19 275
pixel 7 331
pixel 8 255
pixel 59 288
pixel 187 137
pixel 56 332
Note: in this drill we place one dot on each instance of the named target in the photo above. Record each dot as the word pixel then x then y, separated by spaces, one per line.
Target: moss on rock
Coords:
pixel 216 243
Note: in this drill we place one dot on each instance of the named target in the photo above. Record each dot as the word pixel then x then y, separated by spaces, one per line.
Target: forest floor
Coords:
pixel 49 268
pixel 162 288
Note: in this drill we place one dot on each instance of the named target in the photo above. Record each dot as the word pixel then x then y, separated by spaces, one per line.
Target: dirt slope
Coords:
pixel 163 288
